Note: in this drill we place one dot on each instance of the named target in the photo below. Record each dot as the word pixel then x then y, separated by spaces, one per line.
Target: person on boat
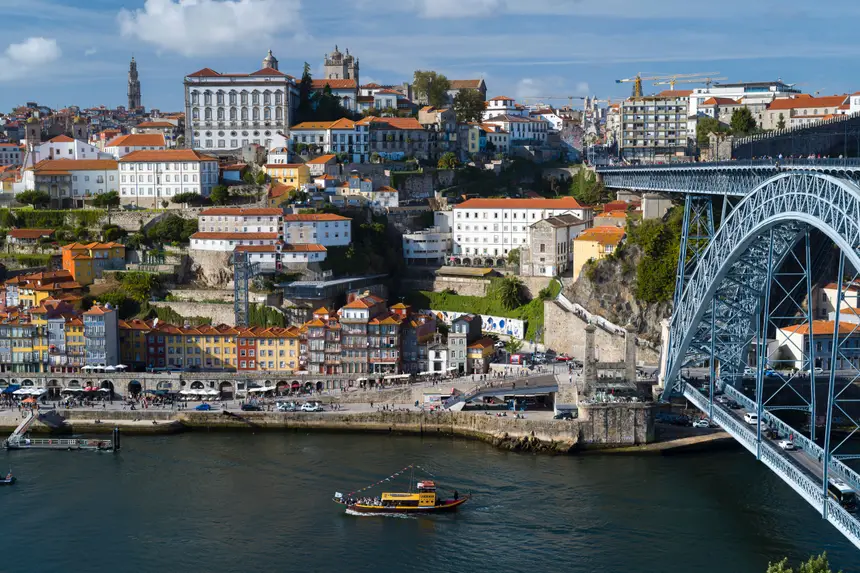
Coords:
pixel 456 495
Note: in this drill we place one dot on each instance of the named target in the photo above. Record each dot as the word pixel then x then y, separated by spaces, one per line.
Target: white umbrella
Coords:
pixel 21 392
pixel 110 369
pixel 104 389
pixel 37 391
pixel 214 392
pixel 88 367
pixel 121 366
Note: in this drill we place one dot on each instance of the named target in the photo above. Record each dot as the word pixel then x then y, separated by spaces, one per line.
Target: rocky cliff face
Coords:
pixel 211 269
pixel 610 292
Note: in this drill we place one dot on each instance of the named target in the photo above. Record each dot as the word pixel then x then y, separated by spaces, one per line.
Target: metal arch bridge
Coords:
pixel 741 281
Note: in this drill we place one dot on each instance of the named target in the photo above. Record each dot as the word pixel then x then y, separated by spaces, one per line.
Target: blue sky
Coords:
pixel 65 52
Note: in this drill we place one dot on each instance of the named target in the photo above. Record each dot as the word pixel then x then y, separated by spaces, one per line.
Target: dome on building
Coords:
pixel 270 61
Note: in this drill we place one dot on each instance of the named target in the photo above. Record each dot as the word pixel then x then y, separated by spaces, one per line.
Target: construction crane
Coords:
pixel 672 78
pixel 707 81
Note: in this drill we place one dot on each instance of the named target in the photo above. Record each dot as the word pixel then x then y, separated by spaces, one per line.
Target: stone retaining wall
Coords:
pixel 219 313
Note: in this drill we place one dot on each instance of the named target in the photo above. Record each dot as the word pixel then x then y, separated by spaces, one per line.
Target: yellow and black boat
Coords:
pixel 424 500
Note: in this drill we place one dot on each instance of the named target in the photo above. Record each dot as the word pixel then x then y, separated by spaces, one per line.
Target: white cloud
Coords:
pixel 458 8
pixel 90 51
pixel 20 59
pixel 198 27
pixel 549 88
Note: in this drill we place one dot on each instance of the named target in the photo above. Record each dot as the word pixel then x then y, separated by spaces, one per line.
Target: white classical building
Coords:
pixel 228 111
pixel 125 144
pixel 502 105
pixel 147 178
pixel 70 181
pixel 227 242
pixel 326 229
pixel 521 129
pixel 428 246
pixel 341 136
pixel 241 220
pixel 302 254
pixel 491 228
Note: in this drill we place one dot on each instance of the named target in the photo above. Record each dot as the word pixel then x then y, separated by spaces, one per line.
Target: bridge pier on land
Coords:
pixel 750 277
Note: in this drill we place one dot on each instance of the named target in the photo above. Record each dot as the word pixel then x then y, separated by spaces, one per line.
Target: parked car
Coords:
pixel 203 407
pixel 787 445
pixel 500 344
pixel 312 407
pixel 722 399
pixel 286 407
pixel 563 358
pixel 251 408
pixel 564 416
pixel 703 423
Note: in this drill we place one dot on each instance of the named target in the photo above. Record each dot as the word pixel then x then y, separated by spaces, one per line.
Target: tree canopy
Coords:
pixel 510 291
pixel 469 106
pixel 743 121
pixel 818 564
pixel 705 126
pixel 219 195
pixel 304 112
pixel 34 198
pixel 432 86
pixel 106 200
pixel 447 161
pixel 585 188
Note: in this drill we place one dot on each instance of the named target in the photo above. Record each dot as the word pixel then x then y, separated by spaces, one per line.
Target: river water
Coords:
pixel 225 502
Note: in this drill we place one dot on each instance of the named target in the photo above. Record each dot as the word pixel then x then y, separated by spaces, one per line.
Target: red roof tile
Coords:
pixel 562 203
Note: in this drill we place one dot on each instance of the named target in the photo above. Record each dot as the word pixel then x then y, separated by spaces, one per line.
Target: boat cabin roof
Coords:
pixel 427 485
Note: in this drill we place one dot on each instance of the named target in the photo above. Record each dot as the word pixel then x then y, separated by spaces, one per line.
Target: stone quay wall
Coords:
pixel 219 313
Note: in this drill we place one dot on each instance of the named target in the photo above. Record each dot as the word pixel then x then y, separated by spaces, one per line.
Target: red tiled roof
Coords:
pixel 322 159
pixel 147 124
pixel 821 327
pixel 806 102
pixel 502 98
pixel 334 84
pixel 166 155
pixel 61 139
pixel 305 248
pixel 719 101
pixel 602 235
pixel 675 93
pixel 268 72
pixel 233 236
pixel 297 217
pixel 465 84
pixel 562 203
pixel 66 165
pixel 257 248
pixel 30 233
pixel 392 122
pixel 138 140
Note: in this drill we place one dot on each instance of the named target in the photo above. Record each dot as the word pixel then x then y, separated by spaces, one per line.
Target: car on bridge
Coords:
pixel 751 418
pixel 787 445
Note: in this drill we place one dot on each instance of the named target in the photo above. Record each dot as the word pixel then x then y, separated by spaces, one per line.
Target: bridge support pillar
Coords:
pixel 630 353
pixel 664 352
pixel 589 363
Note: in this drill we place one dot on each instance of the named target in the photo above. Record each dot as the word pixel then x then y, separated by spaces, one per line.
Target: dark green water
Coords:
pixel 241 502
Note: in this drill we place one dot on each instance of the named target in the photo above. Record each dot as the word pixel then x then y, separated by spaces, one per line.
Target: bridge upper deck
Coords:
pixel 719 178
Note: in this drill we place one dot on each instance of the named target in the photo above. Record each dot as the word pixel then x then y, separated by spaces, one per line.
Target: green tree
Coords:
pixel 510 291
pixel 305 109
pixel 743 121
pixel 248 178
pixel 818 564
pixel 512 346
pixel 781 123
pixel 327 106
pixel 261 178
pixel 113 233
pixel 188 198
pixel 585 188
pixel 106 200
pixel 219 194
pixel 7 219
pixel 432 86
pixel 705 126
pixel 447 161
pixel 514 257
pixel 35 198
pixel 469 106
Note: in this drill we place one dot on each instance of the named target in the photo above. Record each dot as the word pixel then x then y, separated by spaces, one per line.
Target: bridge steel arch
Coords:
pixel 724 308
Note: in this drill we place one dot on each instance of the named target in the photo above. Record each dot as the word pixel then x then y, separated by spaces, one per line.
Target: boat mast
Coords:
pixel 411 477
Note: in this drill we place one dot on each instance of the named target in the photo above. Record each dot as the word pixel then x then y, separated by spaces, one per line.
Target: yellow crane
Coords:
pixel 672 78
pixel 707 81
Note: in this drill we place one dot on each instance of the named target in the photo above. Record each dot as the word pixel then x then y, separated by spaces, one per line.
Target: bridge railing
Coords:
pixel 843 521
pixel 827 162
pixel 836 466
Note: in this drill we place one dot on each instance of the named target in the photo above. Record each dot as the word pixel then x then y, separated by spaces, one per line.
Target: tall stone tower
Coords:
pixel 33 135
pixel 133 86
pixel 79 129
pixel 270 61
pixel 340 66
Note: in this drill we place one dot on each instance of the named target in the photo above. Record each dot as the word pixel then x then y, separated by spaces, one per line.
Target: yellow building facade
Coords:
pixel 291 174
pixel 594 244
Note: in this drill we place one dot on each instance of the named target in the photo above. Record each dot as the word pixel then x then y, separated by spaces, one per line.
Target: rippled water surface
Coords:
pixel 241 502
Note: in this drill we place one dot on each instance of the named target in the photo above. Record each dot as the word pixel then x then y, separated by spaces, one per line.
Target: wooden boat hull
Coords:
pixel 446 506
pixel 7 481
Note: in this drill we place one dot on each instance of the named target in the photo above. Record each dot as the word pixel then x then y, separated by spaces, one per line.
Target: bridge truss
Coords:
pixel 749 280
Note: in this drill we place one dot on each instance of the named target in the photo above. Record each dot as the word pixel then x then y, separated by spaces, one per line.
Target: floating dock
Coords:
pixel 19 440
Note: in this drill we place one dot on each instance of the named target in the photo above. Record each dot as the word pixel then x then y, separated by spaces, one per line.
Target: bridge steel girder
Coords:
pixel 737 270
pixel 730 178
